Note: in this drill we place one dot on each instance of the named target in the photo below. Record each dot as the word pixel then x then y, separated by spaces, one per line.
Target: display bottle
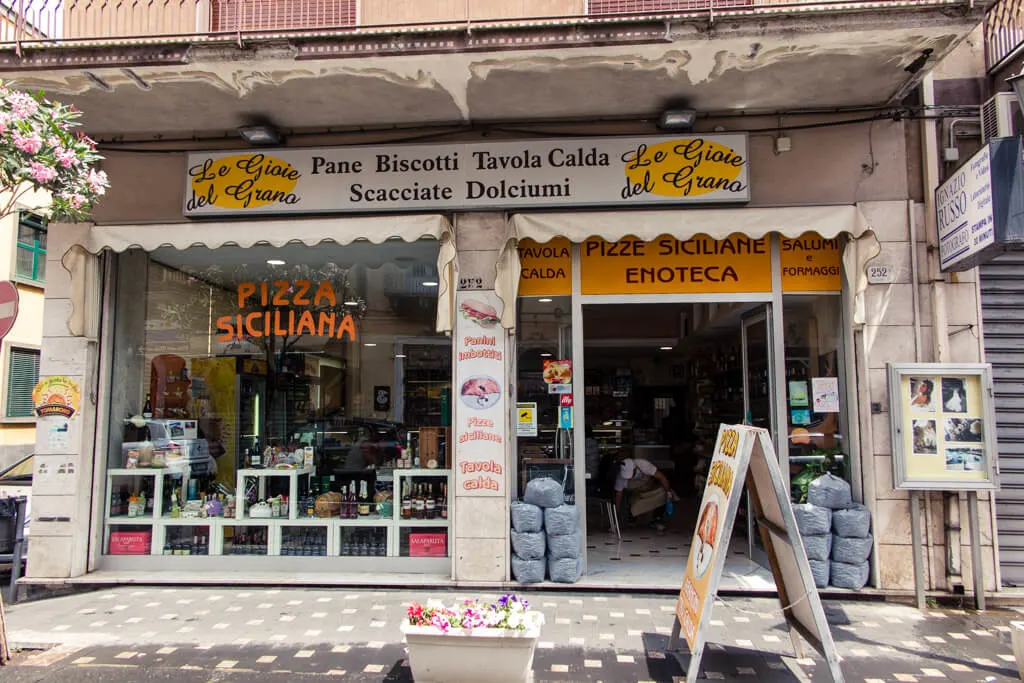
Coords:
pixel 353 501
pixel 421 503
pixel 167 547
pixel 443 502
pixel 147 410
pixel 406 502
pixel 364 499
pixel 431 504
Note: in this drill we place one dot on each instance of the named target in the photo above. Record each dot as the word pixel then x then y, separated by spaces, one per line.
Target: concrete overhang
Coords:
pixel 758 63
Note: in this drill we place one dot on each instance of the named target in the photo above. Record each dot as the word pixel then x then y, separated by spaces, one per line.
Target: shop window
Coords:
pixel 815 403
pixel 22 376
pixel 30 253
pixel 296 386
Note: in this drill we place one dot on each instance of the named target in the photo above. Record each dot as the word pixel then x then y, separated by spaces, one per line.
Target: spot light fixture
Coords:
pixel 677 119
pixel 260 134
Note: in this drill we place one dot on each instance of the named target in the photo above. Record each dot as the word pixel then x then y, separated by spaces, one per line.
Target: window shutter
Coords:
pixel 22 377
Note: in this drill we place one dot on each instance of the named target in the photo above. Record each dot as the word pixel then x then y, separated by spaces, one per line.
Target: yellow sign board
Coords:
pixel 57 396
pixel 545 269
pixel 699 265
pixel 811 263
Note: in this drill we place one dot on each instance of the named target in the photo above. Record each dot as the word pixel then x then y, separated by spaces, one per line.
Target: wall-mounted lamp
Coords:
pixel 677 119
pixel 260 134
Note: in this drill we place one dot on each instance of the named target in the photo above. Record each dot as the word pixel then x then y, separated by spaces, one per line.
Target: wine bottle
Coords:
pixel 406 502
pixel 421 503
pixel 431 504
pixel 444 501
pixel 147 410
pixel 364 499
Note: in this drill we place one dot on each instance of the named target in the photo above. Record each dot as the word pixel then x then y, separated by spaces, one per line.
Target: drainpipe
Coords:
pixel 940 326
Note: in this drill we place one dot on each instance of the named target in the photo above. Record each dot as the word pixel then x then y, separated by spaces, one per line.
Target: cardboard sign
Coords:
pixel 745 455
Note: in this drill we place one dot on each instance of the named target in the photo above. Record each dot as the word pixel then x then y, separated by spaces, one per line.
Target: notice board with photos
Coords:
pixel 943 426
pixel 744 458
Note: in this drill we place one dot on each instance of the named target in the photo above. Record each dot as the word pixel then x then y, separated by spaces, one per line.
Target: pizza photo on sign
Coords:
pixel 479 312
pixel 707 536
pixel 558 372
pixel 480 392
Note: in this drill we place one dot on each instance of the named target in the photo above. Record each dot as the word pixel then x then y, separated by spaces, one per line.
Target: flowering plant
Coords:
pixel 508 612
pixel 39 150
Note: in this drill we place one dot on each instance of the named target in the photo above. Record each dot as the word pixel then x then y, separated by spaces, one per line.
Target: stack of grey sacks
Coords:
pixel 836 534
pixel 545 535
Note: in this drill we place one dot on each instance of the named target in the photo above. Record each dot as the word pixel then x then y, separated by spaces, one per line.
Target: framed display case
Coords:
pixel 943 426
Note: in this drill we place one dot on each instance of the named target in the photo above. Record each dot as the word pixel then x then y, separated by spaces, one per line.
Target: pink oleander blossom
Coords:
pixel 65 157
pixel 41 173
pixel 30 144
pixel 97 181
pixel 22 105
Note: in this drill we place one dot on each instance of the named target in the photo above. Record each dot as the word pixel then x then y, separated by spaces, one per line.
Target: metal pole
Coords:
pixel 917 547
pixel 976 564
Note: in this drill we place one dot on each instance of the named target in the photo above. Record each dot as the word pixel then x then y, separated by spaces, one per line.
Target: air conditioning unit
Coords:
pixel 1001 117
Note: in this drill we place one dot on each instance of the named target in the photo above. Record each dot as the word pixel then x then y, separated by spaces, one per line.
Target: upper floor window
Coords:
pixel 22 377
pixel 268 15
pixel 30 261
pixel 643 6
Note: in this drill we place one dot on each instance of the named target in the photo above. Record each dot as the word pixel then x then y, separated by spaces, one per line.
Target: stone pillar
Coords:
pixel 481 520
pixel 63 473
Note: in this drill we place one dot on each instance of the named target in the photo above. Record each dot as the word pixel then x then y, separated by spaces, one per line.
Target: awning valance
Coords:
pixel 85 239
pixel 827 221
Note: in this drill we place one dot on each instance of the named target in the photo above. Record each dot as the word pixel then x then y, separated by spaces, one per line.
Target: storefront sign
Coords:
pixel 285 308
pixel 811 264
pixel 700 265
pixel 943 426
pixel 977 210
pixel 614 171
pixel 545 269
pixel 481 415
pixel 744 457
pixel 526 419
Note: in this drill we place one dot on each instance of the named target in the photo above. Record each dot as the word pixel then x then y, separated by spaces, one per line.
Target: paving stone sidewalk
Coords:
pixel 203 634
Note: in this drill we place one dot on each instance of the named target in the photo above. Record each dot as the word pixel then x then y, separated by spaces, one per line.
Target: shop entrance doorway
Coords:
pixel 659 378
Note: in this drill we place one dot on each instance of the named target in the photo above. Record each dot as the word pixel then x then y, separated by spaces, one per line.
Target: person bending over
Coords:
pixel 649 488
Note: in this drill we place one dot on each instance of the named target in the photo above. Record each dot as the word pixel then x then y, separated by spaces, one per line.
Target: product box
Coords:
pixel 429 447
pixel 130 542
pixel 428 545
pixel 307 457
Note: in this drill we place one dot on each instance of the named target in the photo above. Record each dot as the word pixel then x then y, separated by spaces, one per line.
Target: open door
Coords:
pixel 759 395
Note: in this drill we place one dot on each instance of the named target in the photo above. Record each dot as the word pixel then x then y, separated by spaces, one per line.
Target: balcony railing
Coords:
pixel 38 23
pixel 1004 32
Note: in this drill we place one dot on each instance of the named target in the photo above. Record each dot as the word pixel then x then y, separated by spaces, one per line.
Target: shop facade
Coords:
pixel 337 326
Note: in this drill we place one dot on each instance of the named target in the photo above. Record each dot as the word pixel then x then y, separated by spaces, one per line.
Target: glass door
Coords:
pixel 758 397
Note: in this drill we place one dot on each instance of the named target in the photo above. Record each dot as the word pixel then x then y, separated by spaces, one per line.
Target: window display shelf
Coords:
pixel 423 522
pixel 261 475
pixel 124 519
pixel 422 472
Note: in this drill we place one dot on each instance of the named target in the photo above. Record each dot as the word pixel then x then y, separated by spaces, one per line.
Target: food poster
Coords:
pixel 557 376
pixel 710 544
pixel 945 434
pixel 481 414
pixel 215 406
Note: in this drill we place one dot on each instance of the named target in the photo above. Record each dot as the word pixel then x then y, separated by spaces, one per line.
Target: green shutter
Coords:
pixel 22 377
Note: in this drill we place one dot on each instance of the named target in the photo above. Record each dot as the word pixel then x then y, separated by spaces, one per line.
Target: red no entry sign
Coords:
pixel 8 307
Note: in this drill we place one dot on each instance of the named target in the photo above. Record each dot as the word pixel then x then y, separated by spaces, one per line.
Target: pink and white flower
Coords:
pixel 97 181
pixel 30 144
pixel 22 105
pixel 66 157
pixel 41 173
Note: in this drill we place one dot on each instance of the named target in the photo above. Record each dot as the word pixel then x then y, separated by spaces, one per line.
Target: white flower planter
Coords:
pixel 470 655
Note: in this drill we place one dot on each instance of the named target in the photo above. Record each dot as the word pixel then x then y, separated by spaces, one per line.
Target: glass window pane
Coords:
pixel 283 359
pixel 813 336
pixel 24 261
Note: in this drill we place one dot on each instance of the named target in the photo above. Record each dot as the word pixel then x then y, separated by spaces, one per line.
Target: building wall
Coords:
pixel 17 435
pixel 864 164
